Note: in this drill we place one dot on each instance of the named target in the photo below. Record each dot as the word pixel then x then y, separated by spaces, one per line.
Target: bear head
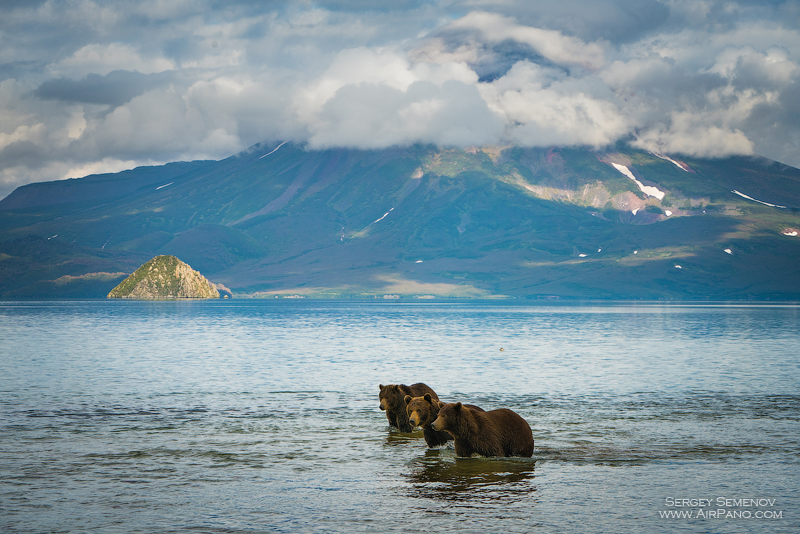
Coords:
pixel 422 410
pixel 449 417
pixel 391 397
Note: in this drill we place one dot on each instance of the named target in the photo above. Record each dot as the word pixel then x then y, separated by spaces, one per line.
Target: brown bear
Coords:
pixel 393 402
pixel 422 411
pixel 499 432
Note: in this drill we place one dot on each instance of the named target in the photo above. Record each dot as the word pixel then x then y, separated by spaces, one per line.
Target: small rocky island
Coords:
pixel 165 277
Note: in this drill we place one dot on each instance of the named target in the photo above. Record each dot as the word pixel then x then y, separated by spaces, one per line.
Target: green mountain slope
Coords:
pixel 279 219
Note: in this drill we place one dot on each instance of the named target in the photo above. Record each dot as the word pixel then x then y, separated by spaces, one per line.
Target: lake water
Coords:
pixel 262 416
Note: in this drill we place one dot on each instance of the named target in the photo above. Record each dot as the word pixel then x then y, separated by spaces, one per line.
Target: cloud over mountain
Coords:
pixel 92 86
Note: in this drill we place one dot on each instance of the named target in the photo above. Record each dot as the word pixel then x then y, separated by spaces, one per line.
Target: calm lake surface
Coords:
pixel 262 416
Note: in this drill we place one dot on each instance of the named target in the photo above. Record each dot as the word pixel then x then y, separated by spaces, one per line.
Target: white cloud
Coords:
pixel 630 75
pixel 772 66
pixel 543 107
pixel 376 115
pixel 701 78
pixel 353 67
pixel 376 98
pixel 34 133
pixel 102 59
pixel 435 50
pixel 167 122
pixel 695 134
pixel 440 73
pixel 551 44
pixel 33 128
pixel 166 10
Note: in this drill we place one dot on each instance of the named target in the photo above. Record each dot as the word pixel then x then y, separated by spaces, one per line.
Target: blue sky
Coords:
pixel 92 86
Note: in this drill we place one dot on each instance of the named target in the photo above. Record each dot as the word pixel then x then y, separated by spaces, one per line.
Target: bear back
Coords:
pixel 500 432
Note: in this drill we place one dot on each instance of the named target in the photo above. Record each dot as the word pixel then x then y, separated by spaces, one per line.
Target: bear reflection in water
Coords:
pixel 398 439
pixel 437 476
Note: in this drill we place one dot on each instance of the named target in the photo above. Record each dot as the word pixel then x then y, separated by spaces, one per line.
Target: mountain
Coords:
pixel 278 220
pixel 164 277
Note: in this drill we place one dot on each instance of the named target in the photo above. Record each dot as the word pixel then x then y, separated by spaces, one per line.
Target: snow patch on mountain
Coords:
pixel 646 189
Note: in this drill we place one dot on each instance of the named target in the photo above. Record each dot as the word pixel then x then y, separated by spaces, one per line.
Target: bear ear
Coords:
pixel 407 399
pixel 458 406
pixel 427 397
pixel 381 386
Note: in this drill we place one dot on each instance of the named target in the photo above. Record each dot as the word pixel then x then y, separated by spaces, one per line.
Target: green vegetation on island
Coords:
pixel 165 277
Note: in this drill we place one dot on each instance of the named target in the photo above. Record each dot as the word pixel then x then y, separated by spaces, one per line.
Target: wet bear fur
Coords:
pixel 494 433
pixel 422 411
pixel 392 398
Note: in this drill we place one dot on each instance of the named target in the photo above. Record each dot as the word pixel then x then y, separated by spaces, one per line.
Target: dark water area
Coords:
pixel 262 416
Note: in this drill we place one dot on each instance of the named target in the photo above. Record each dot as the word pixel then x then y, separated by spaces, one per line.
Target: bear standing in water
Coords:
pixel 422 411
pixel 494 433
pixel 392 398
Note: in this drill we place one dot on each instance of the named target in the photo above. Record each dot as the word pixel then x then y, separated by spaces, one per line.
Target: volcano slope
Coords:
pixel 282 220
